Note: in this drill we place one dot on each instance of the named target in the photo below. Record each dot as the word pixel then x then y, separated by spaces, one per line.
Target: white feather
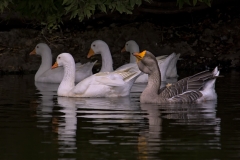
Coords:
pixel 47 75
pixel 103 84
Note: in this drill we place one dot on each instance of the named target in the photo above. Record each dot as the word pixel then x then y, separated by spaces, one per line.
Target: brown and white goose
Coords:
pixel 196 88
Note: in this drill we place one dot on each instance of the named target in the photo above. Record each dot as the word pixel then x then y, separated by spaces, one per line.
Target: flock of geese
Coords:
pixel 78 80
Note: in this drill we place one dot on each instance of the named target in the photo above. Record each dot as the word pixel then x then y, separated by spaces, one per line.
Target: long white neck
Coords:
pixel 133 49
pixel 45 64
pixel 68 79
pixel 107 62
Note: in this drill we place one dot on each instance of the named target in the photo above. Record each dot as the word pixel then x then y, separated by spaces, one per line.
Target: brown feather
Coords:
pixel 192 83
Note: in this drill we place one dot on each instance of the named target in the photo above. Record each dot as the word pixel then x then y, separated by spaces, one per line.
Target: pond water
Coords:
pixel 37 124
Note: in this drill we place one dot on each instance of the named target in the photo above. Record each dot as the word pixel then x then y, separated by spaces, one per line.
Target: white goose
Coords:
pixel 103 84
pixel 47 75
pixel 101 47
pixel 170 68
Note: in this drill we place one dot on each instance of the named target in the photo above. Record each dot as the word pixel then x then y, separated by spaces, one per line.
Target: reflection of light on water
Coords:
pixel 109 110
pixel 45 106
pixel 201 115
pixel 96 142
pixel 149 139
pixel 109 114
pixel 142 124
pixel 193 113
pixel 67 125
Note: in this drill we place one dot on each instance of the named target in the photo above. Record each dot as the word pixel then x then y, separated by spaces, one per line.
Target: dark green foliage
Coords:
pixel 50 12
pixel 180 3
pixel 4 4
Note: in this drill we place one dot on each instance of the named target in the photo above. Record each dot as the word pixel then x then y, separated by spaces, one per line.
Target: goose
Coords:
pixel 162 66
pixel 47 75
pixel 197 88
pixel 101 47
pixel 102 84
pixel 131 46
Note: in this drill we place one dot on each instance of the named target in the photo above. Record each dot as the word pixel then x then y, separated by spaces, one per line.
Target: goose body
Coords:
pixel 47 75
pixel 101 47
pixel 167 66
pixel 103 84
pixel 197 88
pixel 163 65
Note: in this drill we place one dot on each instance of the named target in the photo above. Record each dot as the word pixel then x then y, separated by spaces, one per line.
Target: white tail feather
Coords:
pixel 208 91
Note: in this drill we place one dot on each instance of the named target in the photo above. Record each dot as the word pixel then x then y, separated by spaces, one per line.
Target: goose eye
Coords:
pixel 94 45
pixel 37 47
pixel 59 57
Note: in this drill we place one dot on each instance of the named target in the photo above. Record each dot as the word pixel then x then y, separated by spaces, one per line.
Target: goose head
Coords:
pixel 97 47
pixel 146 61
pixel 130 46
pixel 63 59
pixel 41 48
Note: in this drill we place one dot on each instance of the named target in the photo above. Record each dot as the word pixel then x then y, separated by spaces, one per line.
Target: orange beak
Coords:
pixel 33 52
pixel 140 55
pixel 123 50
pixel 90 53
pixel 55 65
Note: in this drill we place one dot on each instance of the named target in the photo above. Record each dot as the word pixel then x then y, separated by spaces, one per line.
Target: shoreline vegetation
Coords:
pixel 205 38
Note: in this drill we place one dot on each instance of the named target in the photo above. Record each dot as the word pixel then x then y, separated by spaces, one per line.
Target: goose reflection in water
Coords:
pixel 46 103
pixel 64 124
pixel 101 111
pixel 67 125
pixel 150 138
pixel 151 128
pixel 108 110
pixel 160 133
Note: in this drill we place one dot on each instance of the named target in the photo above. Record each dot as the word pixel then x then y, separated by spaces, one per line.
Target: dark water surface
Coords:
pixel 36 124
